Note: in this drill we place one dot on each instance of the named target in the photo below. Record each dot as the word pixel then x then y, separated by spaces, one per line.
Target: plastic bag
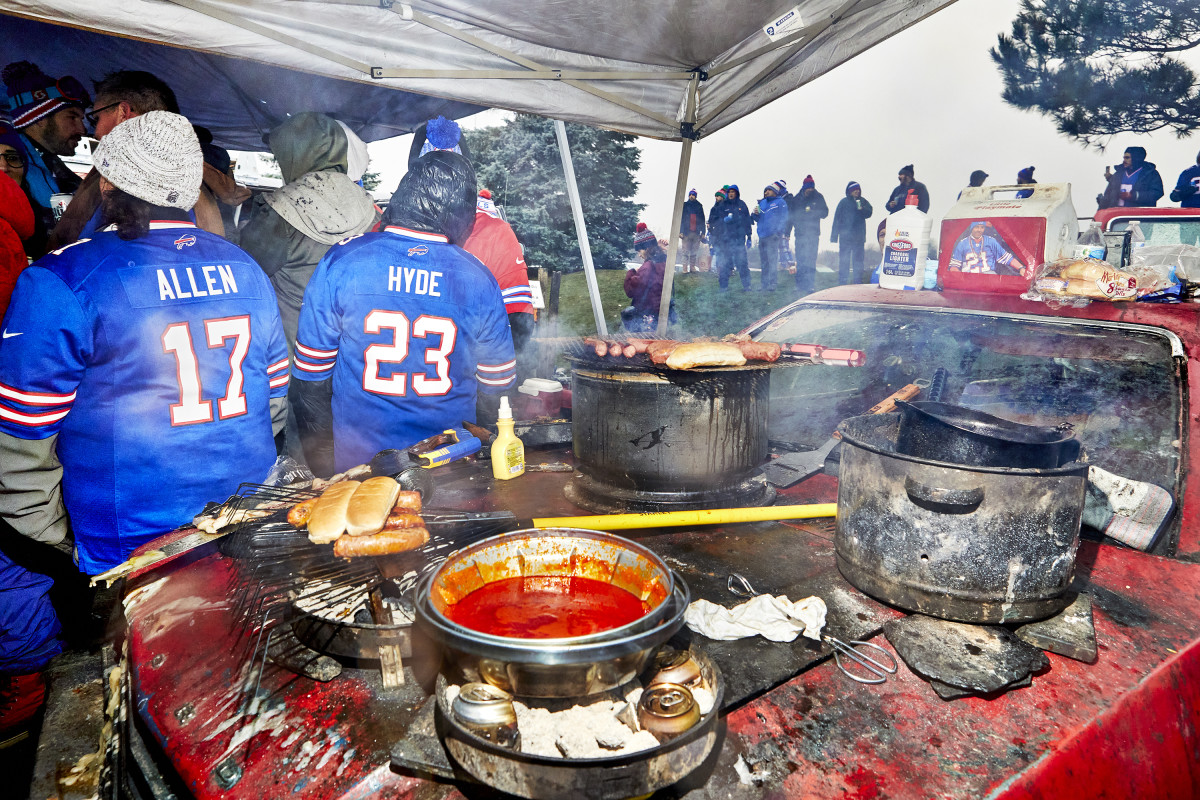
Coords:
pixel 1076 282
pixel 1161 266
pixel 287 471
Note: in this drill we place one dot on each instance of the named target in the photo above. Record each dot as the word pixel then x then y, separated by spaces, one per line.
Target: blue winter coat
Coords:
pixel 772 217
pixel 1187 188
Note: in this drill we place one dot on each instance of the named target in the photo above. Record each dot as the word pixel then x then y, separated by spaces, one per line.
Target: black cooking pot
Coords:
pixel 971 544
pixel 945 432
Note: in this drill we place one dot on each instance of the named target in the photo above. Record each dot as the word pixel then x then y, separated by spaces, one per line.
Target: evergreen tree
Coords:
pixel 1101 67
pixel 519 162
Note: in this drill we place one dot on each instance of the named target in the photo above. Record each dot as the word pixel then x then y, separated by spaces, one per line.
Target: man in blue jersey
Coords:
pixel 143 371
pixel 975 252
pixel 400 328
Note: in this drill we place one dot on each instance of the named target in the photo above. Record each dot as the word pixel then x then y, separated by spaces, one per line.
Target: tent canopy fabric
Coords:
pixel 670 69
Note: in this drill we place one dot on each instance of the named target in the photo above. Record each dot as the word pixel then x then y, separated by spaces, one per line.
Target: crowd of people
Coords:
pixel 149 364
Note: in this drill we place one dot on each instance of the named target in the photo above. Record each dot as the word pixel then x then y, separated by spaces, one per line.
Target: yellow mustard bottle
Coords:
pixel 508 454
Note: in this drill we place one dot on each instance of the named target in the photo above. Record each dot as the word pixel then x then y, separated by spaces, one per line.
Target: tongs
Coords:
pixel 739 586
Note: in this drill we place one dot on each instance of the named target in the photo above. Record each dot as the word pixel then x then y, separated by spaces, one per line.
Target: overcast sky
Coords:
pixel 929 96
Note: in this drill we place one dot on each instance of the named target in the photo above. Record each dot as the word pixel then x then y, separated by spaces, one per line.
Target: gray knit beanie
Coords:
pixel 155 157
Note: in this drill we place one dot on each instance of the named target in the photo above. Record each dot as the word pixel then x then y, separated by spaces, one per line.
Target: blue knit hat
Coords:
pixel 441 134
pixel 34 95
pixel 851 186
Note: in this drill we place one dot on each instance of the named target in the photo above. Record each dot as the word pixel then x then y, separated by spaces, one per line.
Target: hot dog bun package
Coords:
pixel 1076 282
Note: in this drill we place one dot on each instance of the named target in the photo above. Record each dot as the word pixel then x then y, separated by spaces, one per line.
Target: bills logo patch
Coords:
pixel 185 241
pixel 419 250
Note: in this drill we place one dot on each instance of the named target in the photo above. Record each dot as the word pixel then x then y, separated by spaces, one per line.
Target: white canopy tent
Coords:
pixel 669 69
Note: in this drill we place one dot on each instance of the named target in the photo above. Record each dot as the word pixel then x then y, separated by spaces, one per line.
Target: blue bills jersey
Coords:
pixel 154 361
pixel 408 326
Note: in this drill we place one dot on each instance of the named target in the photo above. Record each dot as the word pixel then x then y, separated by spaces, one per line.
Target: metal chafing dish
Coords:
pixel 565 667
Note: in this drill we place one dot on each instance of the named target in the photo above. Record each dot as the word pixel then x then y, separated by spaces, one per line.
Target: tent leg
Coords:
pixel 589 269
pixel 664 308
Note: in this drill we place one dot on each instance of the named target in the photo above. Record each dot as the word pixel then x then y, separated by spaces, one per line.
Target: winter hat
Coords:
pixel 851 186
pixel 441 134
pixel 781 187
pixel 733 188
pixel 486 194
pixel 10 137
pixel 34 95
pixel 907 169
pixel 808 183
pixel 155 157
pixel 721 194
pixel 770 187
pixel 978 177
pixel 1025 175
pixel 692 193
pixel 644 237
pixel 1138 153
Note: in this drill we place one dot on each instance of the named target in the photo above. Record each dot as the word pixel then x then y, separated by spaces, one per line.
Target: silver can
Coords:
pixel 675 666
pixel 488 713
pixel 59 203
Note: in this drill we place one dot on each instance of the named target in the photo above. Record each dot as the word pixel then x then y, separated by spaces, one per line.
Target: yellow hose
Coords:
pixel 669 519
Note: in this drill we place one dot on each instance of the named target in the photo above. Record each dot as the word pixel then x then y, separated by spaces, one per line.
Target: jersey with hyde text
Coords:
pixel 408 326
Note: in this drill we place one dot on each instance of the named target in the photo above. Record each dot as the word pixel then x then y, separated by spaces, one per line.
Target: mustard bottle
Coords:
pixel 508 454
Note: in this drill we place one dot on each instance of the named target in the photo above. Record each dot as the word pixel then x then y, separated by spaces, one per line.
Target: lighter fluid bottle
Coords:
pixel 906 241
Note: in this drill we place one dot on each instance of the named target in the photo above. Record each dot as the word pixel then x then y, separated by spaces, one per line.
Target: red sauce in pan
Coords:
pixel 546 607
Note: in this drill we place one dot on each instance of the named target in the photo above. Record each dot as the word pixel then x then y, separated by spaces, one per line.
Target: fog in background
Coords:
pixel 929 96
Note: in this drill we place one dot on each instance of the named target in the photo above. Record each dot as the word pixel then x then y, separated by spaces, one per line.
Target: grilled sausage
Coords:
pixel 298 514
pixel 409 502
pixel 639 345
pixel 759 351
pixel 381 543
pixel 660 349
pixel 600 346
pixel 615 348
pixel 400 519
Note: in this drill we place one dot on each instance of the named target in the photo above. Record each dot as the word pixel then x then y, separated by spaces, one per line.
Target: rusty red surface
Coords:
pixel 1127 726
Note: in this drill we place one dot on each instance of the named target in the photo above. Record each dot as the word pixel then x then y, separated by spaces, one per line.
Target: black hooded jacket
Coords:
pixel 1143 177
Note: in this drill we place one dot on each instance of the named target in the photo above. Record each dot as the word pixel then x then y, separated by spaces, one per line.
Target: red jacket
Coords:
pixel 644 286
pixel 16 223
pixel 494 243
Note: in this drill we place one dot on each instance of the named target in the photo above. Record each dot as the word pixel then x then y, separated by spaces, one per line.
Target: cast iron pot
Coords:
pixel 945 432
pixel 971 544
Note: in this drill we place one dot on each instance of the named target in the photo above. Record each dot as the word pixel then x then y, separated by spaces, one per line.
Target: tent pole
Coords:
pixel 589 270
pixel 685 160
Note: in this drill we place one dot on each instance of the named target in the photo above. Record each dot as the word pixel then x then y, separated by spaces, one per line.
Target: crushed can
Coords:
pixel 488 713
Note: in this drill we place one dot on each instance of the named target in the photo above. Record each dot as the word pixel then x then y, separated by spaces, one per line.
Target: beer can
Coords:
pixel 59 203
pixel 675 666
pixel 488 713
pixel 667 710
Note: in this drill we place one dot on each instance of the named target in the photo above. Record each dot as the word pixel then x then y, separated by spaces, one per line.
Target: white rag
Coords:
pixel 774 618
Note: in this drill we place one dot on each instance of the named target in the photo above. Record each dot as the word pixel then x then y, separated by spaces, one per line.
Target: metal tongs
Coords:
pixel 739 586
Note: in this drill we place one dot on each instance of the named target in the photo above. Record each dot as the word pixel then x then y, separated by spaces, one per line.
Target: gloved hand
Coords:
pixel 748 243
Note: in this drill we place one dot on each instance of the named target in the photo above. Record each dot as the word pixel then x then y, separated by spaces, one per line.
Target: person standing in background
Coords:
pixel 909 187
pixel 691 232
pixel 1135 182
pixel 849 233
pixel 807 210
pixel 735 232
pixel 715 214
pixel 975 181
pixel 1187 188
pixel 49 116
pixel 771 216
pixel 1025 178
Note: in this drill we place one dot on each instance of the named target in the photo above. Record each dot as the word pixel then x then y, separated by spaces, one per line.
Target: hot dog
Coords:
pixel 399 519
pixel 381 543
pixel 660 349
pixel 600 346
pixel 615 348
pixel 298 514
pixel 407 501
pixel 759 351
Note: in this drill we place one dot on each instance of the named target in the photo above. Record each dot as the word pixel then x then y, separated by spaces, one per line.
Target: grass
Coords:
pixel 702 309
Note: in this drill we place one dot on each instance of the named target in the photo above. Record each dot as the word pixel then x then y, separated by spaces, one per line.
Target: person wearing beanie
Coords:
pixel 48 114
pixel 1187 188
pixel 494 242
pixel 977 178
pixel 150 348
pixel 849 233
pixel 691 232
pixel 401 328
pixel 644 285
pixel 909 192
pixel 1025 178
pixel 732 236
pixel 1134 182
pixel 120 96
pixel 771 216
pixel 807 210
pixel 715 215
pixel 438 133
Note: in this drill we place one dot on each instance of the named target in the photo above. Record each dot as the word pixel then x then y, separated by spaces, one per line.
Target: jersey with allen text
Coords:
pixel 153 360
pixel 408 326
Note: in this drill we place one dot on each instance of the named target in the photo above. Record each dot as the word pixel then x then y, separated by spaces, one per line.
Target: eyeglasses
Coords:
pixel 13 159
pixel 93 116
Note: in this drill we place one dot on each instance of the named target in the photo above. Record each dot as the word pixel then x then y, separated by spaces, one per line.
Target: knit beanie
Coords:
pixel 978 177
pixel 155 157
pixel 720 194
pixel 808 183
pixel 851 186
pixel 10 137
pixel 780 187
pixel 486 194
pixel 644 237
pixel 770 187
pixel 34 95
pixel 692 193
pixel 441 134
pixel 1025 174
pixel 907 169
pixel 1138 153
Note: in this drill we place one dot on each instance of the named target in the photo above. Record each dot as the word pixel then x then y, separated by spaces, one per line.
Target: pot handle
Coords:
pixel 944 501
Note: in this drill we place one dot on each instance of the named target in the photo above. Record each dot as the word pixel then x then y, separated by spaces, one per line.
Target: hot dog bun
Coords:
pixel 705 354
pixel 396 541
pixel 370 505
pixel 328 519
